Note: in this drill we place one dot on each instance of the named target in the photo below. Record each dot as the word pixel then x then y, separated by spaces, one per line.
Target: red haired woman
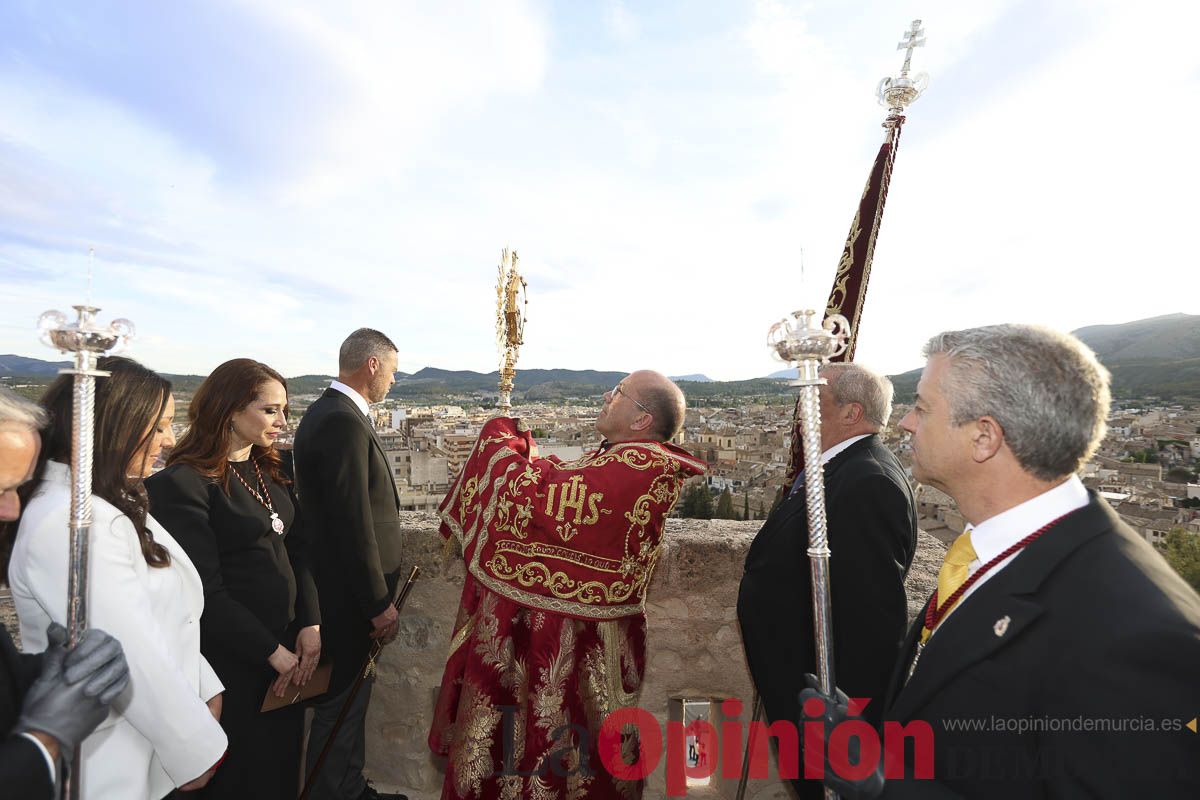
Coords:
pixel 224 496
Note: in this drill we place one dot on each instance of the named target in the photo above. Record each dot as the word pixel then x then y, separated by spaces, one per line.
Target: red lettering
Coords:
pixel 857 706
pixel 814 750
pixel 788 739
pixel 839 749
pixel 814 739
pixel 731 739
pixel 706 748
pixel 705 744
pixel 649 743
pixel 676 759
pixel 894 735
pixel 814 707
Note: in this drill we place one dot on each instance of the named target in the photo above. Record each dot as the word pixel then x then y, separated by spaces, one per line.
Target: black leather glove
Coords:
pixel 72 694
pixel 837 711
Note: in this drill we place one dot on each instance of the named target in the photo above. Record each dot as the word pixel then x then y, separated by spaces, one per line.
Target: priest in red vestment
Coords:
pixel 551 630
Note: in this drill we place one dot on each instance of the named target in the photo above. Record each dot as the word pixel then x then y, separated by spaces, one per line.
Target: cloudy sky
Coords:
pixel 258 178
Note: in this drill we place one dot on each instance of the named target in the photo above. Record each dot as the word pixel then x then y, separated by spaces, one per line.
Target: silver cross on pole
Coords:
pixel 899 92
pixel 913 37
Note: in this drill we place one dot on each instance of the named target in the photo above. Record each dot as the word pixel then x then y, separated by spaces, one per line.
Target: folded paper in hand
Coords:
pixel 317 684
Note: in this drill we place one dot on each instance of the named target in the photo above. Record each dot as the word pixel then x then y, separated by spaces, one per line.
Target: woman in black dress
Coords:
pixel 225 497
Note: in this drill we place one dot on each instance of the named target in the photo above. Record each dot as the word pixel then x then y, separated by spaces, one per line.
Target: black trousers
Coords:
pixel 263 762
pixel 341 775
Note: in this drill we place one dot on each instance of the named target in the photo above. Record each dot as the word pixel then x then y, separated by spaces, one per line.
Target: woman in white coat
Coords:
pixel 162 732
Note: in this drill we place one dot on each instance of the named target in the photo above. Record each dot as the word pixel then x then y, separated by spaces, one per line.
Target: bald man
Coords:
pixel 551 630
pixel 645 405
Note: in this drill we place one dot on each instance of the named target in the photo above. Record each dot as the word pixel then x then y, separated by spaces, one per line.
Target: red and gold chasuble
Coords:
pixel 550 635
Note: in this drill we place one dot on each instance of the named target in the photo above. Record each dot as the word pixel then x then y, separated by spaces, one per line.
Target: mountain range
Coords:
pixel 1169 337
pixel 1158 356
pixel 22 367
pixel 1155 356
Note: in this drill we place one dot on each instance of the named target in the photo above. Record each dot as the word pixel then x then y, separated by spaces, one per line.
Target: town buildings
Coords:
pixel 1146 467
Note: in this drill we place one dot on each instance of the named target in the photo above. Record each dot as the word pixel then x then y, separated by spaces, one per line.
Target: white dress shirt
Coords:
pixel 358 399
pixel 993 536
pixel 826 457
pixel 46 755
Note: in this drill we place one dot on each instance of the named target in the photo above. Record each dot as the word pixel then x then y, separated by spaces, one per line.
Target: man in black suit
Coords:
pixel 1060 654
pixel 347 492
pixel 51 701
pixel 872 536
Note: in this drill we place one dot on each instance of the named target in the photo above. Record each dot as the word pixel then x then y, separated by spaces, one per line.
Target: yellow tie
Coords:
pixel 953 573
pixel 955 568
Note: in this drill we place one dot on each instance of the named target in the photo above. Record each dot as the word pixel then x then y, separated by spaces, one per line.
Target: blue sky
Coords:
pixel 260 178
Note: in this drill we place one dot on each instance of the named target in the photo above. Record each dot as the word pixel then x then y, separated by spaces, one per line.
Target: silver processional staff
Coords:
pixel 810 346
pixel 87 340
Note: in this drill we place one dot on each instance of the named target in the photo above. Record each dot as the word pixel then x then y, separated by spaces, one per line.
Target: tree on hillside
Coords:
pixel 1182 551
pixel 746 506
pixel 696 502
pixel 1179 475
pixel 703 504
pixel 29 392
pixel 725 506
pixel 687 503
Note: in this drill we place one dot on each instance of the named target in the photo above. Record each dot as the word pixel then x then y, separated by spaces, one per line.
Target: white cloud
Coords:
pixel 659 192
pixel 412 65
pixel 620 21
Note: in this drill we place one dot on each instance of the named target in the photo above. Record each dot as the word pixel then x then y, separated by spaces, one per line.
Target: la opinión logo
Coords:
pixel 698 750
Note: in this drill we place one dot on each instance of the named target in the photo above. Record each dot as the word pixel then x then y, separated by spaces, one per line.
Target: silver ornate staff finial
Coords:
pixel 87 340
pixel 809 346
pixel 900 92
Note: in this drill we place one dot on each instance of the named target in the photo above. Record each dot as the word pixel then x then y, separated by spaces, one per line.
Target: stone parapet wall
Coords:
pixel 695 647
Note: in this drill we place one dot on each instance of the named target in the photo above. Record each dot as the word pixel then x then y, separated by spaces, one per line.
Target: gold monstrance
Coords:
pixel 511 304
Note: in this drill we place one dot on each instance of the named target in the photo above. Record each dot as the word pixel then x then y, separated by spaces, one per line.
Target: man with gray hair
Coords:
pixel 873 535
pixel 1059 655
pixel 348 495
pixel 49 702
